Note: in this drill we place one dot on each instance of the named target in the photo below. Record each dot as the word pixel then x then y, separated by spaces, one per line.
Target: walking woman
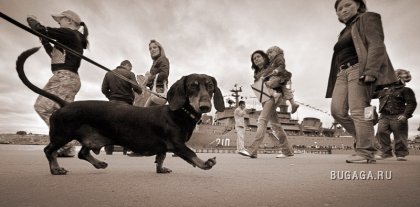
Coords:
pixel 360 63
pixel 65 81
pixel 260 65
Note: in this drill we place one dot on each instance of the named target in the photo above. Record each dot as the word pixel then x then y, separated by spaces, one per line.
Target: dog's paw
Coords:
pixel 58 171
pixel 100 165
pixel 210 163
pixel 163 170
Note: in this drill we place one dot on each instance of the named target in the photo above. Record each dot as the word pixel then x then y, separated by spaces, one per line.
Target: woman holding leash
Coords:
pixel 65 81
pixel 260 65
pixel 360 62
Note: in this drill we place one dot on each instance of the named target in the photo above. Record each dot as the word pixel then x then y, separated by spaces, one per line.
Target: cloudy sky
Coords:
pixel 215 37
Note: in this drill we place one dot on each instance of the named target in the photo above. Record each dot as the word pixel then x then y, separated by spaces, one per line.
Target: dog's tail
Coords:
pixel 19 68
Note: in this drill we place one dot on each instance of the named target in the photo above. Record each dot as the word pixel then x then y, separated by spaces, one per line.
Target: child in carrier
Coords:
pixel 280 76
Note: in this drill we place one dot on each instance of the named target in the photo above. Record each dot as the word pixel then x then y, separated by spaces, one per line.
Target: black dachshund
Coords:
pixel 145 130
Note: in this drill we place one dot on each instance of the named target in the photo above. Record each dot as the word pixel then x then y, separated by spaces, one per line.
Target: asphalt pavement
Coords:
pixel 302 180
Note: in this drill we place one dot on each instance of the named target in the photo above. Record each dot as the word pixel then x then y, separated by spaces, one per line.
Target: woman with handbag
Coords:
pixel 157 77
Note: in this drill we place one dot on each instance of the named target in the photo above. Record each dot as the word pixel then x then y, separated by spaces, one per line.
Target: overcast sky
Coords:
pixel 214 37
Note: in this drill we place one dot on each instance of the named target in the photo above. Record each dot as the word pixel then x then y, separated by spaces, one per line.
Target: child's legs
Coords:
pixel 287 93
pixel 400 129
pixel 383 135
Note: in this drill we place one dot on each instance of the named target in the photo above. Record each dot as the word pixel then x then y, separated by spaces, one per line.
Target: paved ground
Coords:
pixel 304 180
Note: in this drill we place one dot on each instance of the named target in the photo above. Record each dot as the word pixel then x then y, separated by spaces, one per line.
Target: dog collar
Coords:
pixel 196 118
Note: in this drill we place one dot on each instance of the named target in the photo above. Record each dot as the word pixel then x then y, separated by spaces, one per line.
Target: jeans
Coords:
pixel 267 114
pixel 389 124
pixel 351 95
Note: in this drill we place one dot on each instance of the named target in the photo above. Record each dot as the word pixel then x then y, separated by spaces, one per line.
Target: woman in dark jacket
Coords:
pixel 160 68
pixel 360 63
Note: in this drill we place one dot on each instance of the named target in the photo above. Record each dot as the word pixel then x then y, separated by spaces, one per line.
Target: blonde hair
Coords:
pixel 399 72
pixel 277 49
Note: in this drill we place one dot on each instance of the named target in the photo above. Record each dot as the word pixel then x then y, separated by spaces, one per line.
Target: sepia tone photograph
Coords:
pixel 209 103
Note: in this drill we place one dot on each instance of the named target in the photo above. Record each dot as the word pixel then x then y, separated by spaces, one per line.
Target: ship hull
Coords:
pixel 213 136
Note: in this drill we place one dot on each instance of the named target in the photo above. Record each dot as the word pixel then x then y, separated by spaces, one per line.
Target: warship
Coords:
pixel 218 132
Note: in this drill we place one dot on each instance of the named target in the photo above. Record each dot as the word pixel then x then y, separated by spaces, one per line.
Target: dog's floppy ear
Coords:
pixel 219 104
pixel 177 95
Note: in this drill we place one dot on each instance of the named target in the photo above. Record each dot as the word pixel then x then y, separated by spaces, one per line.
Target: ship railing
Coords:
pixel 263 150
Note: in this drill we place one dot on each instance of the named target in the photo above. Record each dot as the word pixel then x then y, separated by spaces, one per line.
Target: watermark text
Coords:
pixel 360 175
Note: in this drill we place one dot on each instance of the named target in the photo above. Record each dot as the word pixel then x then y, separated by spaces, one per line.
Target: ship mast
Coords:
pixel 235 93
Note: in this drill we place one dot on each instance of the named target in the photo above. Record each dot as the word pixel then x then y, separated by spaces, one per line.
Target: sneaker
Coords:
pixel 66 152
pixel 295 108
pixel 253 156
pixel 383 156
pixel 281 155
pixel 360 159
pixel 244 153
pixel 401 159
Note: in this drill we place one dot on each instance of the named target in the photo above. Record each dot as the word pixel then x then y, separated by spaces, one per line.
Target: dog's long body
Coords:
pixel 145 130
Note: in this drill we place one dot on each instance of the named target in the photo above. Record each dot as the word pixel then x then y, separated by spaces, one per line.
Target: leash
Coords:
pixel 36 33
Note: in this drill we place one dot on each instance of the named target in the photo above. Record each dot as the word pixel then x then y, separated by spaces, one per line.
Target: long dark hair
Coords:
pixel 265 57
pixel 362 5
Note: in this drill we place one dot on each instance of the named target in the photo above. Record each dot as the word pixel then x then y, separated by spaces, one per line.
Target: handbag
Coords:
pixel 156 99
pixel 261 91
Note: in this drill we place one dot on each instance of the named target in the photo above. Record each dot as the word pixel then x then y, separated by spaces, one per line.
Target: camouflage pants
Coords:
pixel 64 84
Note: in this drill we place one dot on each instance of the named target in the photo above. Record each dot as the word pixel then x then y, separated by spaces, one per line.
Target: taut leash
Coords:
pixel 36 33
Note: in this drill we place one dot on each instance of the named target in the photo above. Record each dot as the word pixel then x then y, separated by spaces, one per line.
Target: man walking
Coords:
pixel 120 91
pixel 239 114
